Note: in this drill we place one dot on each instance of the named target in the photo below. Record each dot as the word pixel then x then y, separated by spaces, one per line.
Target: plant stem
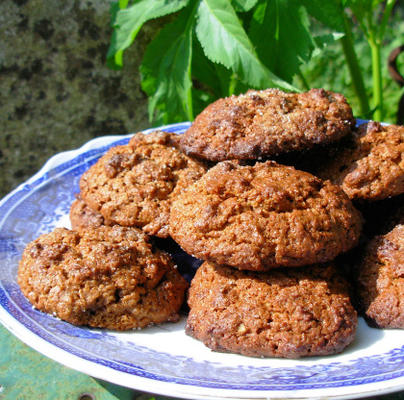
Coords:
pixel 387 12
pixel 190 107
pixel 375 41
pixel 232 84
pixel 377 80
pixel 354 70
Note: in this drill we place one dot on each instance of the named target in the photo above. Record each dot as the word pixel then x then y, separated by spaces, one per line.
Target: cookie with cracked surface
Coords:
pixel 134 184
pixel 267 123
pixel 263 216
pixel 109 277
pixel 371 167
pixel 290 312
pixel 380 283
pixel 82 217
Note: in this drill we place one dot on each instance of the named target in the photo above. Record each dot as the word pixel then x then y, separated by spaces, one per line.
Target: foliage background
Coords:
pixel 215 48
pixel 329 70
pixel 57 93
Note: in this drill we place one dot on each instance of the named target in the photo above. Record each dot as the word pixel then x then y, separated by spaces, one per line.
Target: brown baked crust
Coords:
pixel 133 185
pixel 372 166
pixel 267 123
pixel 263 216
pixel 381 280
pixel 292 312
pixel 107 277
pixel 82 217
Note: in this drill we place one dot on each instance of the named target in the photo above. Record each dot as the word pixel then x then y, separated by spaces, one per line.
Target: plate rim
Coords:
pixel 149 385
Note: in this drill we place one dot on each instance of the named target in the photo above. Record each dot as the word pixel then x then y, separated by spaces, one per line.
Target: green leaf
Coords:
pixel 328 12
pixel 212 77
pixel 365 12
pixel 204 71
pixel 226 79
pixel 123 3
pixel 243 5
pixel 280 32
pixel 325 40
pixel 128 21
pixel 224 41
pixel 166 70
pixel 115 7
pixel 361 8
pixel 113 10
pixel 201 99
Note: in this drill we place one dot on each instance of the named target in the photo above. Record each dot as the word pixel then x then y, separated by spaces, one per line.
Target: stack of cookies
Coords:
pixel 270 234
pixel 107 272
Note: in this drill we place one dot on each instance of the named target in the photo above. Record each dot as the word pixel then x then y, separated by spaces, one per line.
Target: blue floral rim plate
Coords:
pixel 162 359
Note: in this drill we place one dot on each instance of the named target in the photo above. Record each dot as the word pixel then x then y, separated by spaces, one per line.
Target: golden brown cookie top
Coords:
pixel 263 216
pixel 267 123
pixel 371 167
pixel 82 217
pixel 134 184
pixel 109 277
pixel 288 312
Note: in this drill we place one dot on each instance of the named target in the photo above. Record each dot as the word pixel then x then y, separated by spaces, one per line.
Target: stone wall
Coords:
pixel 56 92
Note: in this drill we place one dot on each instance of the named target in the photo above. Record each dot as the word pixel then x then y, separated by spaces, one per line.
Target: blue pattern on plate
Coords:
pixel 35 207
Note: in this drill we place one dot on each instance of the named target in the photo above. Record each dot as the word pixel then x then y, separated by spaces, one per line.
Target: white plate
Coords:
pixel 163 359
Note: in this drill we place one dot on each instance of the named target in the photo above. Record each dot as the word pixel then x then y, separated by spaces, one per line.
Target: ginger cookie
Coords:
pixel 267 123
pixel 371 166
pixel 288 312
pixel 263 216
pixel 108 277
pixel 134 184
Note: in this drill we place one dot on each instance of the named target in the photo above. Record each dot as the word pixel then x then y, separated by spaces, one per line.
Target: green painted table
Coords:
pixel 27 375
